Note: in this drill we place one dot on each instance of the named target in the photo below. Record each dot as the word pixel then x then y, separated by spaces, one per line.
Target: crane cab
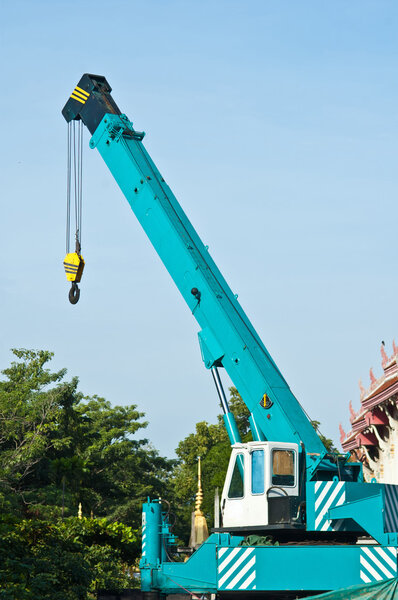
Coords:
pixel 261 487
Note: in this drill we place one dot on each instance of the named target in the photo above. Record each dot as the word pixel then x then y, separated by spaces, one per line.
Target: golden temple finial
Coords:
pixel 79 512
pixel 199 530
pixel 199 494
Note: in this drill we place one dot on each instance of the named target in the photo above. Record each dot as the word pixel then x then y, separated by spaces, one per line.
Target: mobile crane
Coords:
pixel 314 504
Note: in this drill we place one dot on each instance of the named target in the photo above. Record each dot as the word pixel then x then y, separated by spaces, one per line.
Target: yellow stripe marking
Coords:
pixel 81 91
pixel 76 98
pixel 79 95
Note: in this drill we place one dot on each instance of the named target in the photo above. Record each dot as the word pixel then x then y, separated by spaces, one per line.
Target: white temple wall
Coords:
pixel 385 468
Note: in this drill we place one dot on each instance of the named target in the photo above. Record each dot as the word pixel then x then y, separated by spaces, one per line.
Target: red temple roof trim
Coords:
pixel 370 414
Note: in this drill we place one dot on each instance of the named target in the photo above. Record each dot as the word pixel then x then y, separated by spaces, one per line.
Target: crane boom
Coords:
pixel 227 337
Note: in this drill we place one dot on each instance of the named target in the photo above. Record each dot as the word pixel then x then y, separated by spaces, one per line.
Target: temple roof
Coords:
pixel 380 391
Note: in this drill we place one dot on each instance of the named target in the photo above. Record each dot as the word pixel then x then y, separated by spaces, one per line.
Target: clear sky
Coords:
pixel 275 124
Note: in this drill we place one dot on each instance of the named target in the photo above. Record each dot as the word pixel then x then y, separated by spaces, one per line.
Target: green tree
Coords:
pixel 327 442
pixel 241 414
pixel 66 560
pixel 58 448
pixel 27 417
pixel 37 561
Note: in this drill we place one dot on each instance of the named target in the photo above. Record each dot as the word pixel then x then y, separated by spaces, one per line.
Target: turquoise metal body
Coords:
pixel 232 428
pixel 226 337
pixel 222 564
pixel 368 508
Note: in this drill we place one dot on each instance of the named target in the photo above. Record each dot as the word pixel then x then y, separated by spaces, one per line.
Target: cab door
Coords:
pixel 244 498
pixel 283 484
pixel 233 500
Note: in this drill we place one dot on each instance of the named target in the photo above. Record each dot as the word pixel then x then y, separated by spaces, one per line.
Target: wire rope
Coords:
pixel 75 177
pixel 74 183
pixel 80 181
pixel 68 183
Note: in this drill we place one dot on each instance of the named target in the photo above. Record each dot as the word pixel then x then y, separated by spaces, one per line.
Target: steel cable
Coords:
pixel 80 180
pixel 75 182
pixel 68 184
pixel 74 188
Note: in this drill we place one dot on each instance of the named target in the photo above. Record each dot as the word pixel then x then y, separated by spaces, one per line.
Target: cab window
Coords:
pixel 283 468
pixel 236 486
pixel 257 472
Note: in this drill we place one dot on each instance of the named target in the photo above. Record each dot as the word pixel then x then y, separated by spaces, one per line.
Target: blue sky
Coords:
pixel 275 123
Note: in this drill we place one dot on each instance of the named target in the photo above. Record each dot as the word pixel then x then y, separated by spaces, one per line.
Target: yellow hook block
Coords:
pixel 74 265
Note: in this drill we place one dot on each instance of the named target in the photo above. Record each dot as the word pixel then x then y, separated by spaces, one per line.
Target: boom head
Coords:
pixel 90 101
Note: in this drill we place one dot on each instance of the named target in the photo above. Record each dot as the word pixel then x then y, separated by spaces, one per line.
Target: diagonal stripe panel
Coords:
pixel 334 496
pixel 245 585
pixel 77 98
pixel 228 559
pixel 364 577
pixel 391 562
pixel 375 575
pixel 79 95
pixel 377 563
pixel 244 554
pixel 326 494
pixel 391 507
pixel 318 485
pixel 336 501
pixel 322 493
pixel 242 572
pixel 79 89
pixel 143 540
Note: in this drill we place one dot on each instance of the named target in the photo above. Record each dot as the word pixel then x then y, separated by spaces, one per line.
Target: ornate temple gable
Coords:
pixel 373 438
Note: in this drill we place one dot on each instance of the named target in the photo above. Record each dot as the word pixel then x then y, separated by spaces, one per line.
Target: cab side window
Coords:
pixel 283 468
pixel 257 472
pixel 236 486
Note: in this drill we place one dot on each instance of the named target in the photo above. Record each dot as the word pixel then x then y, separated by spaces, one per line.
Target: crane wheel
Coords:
pixel 74 293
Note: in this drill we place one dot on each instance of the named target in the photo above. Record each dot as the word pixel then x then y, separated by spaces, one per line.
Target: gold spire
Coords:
pixel 199 494
pixel 199 531
pixel 79 512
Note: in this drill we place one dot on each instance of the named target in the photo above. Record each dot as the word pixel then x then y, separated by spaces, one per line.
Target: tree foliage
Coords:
pixel 69 560
pixel 27 416
pixel 327 442
pixel 59 448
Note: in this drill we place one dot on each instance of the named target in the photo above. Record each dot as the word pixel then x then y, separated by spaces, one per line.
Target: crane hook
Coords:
pixel 74 293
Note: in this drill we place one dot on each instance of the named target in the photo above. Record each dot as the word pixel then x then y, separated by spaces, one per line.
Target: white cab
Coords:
pixel 256 472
